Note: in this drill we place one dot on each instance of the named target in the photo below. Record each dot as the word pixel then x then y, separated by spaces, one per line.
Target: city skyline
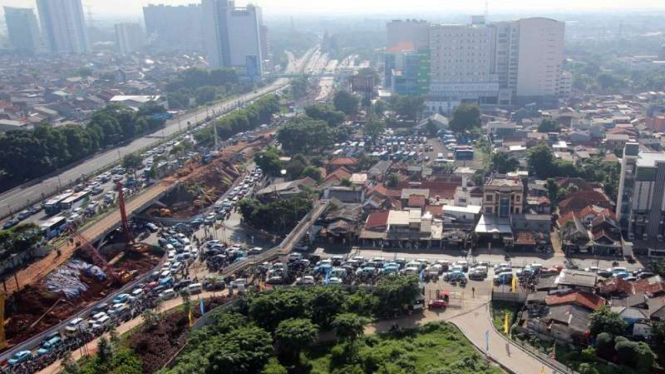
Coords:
pixel 281 7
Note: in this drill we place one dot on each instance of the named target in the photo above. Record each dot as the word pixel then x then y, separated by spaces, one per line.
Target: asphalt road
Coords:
pixel 16 199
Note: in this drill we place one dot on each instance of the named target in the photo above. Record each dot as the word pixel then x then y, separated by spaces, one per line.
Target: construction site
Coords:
pixel 77 275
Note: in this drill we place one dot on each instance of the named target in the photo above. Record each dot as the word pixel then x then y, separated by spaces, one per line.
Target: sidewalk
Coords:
pixel 477 324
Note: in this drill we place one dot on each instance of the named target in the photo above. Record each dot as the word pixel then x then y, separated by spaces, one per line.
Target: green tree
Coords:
pixel 346 102
pixel 374 129
pixel 327 303
pixel 548 125
pixel 69 365
pixel 395 293
pixel 541 161
pixel 503 163
pixel 296 166
pixel 605 345
pixel 465 118
pixel 274 367
pixel 346 182
pixel 205 94
pixel 132 161
pixel 241 351
pixel 409 107
pixel 349 326
pixel 380 108
pixel 293 335
pixel 326 113
pixel 303 135
pixel 587 368
pixel 392 180
pixel 605 320
pixel 104 350
pixel 299 87
pixel 269 161
pixel 312 172
pixel 552 190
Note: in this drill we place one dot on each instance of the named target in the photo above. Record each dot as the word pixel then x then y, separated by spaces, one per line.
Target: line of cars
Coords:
pixel 224 207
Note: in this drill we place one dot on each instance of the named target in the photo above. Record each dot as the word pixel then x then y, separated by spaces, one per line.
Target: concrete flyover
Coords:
pixel 39 269
pixel 286 246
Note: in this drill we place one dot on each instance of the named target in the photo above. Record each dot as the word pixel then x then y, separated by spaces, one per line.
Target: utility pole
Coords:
pixel 214 126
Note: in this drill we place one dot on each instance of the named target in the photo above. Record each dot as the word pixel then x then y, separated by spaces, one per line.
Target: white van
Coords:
pixel 195 288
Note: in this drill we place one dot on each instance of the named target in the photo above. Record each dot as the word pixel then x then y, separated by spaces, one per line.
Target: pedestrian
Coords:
pixel 508 349
pixel 473 292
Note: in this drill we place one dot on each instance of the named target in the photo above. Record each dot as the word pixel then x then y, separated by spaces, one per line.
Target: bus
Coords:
pixel 54 226
pixel 75 201
pixel 54 205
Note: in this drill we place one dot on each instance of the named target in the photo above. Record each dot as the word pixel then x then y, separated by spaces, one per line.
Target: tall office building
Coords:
pixel 500 63
pixel 63 26
pixel 23 30
pixel 409 31
pixel 174 28
pixel 233 36
pixel 641 198
pixel 129 37
pixel 461 65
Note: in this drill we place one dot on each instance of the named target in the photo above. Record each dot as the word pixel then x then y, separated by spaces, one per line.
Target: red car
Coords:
pixel 438 304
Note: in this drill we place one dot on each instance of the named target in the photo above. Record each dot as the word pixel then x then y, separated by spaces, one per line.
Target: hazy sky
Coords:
pixel 377 6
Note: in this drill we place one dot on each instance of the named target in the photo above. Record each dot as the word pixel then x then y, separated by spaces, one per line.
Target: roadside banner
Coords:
pixel 201 306
pixel 506 327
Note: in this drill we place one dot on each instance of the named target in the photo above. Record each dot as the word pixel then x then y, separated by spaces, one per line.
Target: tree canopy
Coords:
pixel 349 326
pixel 29 154
pixel 284 214
pixel 503 163
pixel 325 112
pixel 269 161
pixel 465 117
pixel 346 102
pixel 304 135
pixel 605 320
pixel 295 334
pixel 548 125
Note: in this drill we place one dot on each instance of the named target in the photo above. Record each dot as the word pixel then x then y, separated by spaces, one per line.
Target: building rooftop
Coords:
pixel 398 218
pixel 576 278
pixel 649 159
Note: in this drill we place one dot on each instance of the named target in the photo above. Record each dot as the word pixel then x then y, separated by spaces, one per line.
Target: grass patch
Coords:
pixel 499 311
pixel 434 348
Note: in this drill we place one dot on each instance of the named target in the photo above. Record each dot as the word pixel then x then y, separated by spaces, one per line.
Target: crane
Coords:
pixel 118 277
pixel 123 214
pixel 3 342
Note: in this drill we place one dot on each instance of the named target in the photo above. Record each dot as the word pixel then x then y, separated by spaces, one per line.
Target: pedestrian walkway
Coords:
pixel 477 327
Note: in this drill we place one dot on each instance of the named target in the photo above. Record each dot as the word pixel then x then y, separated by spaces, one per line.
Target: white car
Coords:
pixel 167 294
pixel 307 280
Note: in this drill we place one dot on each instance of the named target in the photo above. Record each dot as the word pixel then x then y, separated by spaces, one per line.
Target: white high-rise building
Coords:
pixel 129 37
pixel 233 36
pixel 461 63
pixel 540 57
pixel 23 30
pixel 63 26
pixel 174 28
pixel 499 63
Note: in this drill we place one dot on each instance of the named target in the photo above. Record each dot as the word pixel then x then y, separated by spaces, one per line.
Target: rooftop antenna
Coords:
pixel 487 11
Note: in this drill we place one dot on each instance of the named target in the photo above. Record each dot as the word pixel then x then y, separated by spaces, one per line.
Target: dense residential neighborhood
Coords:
pixel 307 189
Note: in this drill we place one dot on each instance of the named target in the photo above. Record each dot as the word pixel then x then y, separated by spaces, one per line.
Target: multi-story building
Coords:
pixel 415 32
pixel 233 36
pixel 461 65
pixel 499 63
pixel 63 26
pixel 174 28
pixel 129 38
pixel 503 197
pixel 641 198
pixel 407 70
pixel 23 30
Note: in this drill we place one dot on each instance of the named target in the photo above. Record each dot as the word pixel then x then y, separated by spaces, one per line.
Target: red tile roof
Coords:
pixel 377 219
pixel 649 286
pixel 585 299
pixel 342 161
pixel 581 199
pixel 436 210
pixel 615 286
pixel 416 201
pixel 379 189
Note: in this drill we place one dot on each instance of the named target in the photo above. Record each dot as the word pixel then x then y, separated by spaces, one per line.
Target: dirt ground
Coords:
pixel 24 308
